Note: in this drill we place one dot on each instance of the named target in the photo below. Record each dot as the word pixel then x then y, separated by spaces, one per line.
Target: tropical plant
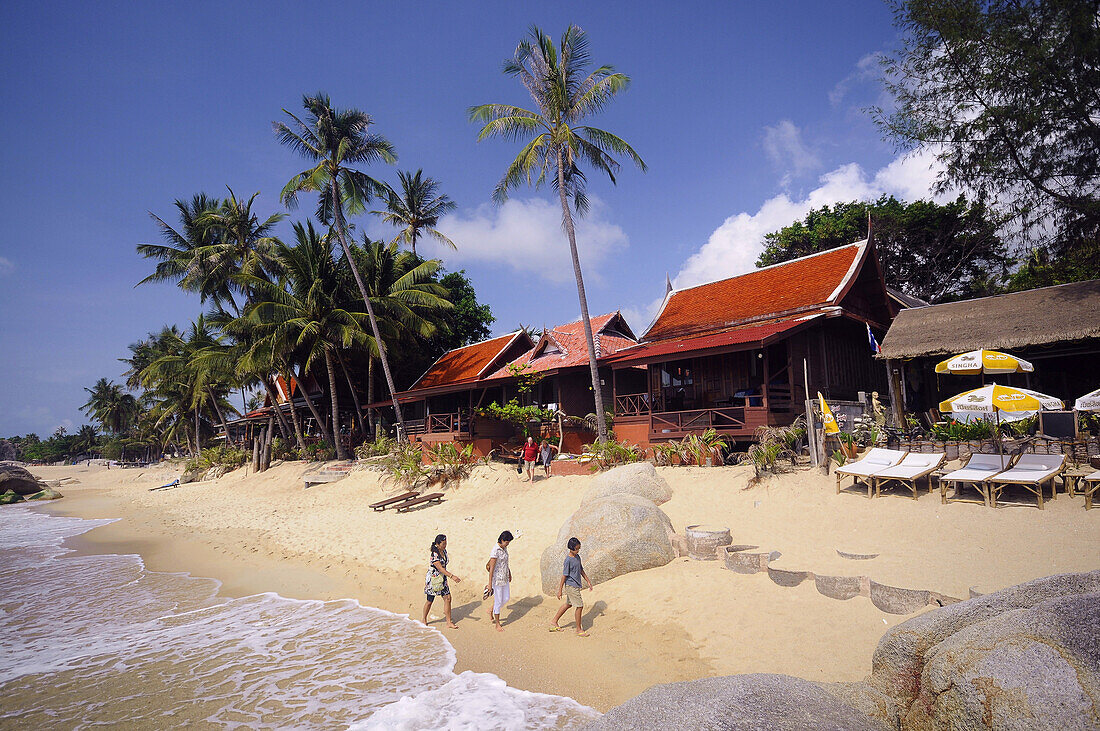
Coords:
pixel 451 463
pixel 840 457
pixel 513 413
pixel 416 209
pixel 705 447
pixel 565 92
pixel 335 140
pixel 245 245
pixel 185 258
pixel 667 453
pixel 378 448
pixel 405 463
pixel 605 455
pixel 774 443
pixel 114 409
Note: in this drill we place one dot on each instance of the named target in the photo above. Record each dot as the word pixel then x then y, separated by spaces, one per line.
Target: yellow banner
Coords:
pixel 827 418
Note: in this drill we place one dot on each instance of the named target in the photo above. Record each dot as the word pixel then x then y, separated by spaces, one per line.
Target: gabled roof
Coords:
pixel 468 363
pixel 810 282
pixel 1043 316
pixel 610 334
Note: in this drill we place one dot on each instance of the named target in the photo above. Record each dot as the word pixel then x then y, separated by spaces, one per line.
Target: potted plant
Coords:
pixel 848 444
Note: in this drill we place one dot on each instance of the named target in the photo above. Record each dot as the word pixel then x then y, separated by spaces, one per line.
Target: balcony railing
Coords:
pixel 632 404
pixel 448 423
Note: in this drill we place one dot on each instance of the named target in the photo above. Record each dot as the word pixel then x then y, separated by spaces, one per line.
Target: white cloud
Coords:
pixel 6 266
pixel 527 235
pixel 735 245
pixel 784 145
pixel 867 68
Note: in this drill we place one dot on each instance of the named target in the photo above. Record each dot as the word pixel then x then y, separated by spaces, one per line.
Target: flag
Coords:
pixel 827 417
pixel 875 347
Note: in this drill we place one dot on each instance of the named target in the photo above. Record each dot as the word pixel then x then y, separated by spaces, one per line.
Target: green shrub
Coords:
pixel 319 452
pixel 381 446
pixel 515 414
pixel 223 454
pixel 453 463
pixel 404 463
pixel 605 455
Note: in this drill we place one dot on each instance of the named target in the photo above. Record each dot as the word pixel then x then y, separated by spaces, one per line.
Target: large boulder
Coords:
pixel 618 534
pixel 899 659
pixel 47 494
pixel 640 479
pixel 19 480
pixel 9 497
pixel 759 701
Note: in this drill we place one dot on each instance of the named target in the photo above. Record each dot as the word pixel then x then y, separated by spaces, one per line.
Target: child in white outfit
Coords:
pixel 499 577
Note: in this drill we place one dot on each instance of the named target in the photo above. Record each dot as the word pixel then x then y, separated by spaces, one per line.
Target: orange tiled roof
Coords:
pixel 570 340
pixel 811 281
pixel 464 364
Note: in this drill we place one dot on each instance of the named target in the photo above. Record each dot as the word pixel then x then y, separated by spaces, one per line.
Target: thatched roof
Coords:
pixel 1022 319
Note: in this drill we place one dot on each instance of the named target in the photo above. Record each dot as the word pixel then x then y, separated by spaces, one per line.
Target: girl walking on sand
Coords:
pixel 435 583
pixel 499 578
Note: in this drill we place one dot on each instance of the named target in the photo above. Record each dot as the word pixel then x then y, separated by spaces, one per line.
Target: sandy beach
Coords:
pixel 688 619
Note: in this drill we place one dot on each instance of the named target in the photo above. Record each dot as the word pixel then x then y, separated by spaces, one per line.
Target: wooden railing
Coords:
pixel 632 404
pixel 415 426
pixel 448 423
pixel 675 422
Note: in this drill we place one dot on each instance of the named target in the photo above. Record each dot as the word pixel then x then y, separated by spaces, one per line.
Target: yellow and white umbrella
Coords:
pixel 984 361
pixel 995 399
pixel 1089 402
pixel 827 418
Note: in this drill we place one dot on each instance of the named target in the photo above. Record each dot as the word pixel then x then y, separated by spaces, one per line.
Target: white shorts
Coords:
pixel 500 597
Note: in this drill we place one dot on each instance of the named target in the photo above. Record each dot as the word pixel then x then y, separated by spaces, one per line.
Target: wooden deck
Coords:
pixel 735 421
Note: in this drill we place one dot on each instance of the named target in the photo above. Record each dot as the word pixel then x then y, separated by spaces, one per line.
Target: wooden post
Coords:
pixel 893 380
pixel 811 431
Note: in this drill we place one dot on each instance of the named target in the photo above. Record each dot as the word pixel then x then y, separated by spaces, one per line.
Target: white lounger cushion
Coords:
pixel 914 464
pixel 873 462
pixel 1093 476
pixel 979 468
pixel 1032 468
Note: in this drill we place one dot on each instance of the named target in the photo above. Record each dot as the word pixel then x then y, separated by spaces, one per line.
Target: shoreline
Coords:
pixel 682 621
pixel 616 665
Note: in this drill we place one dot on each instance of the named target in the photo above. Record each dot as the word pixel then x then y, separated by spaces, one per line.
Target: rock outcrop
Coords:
pixel 735 702
pixel 9 497
pixel 618 534
pixel 640 479
pixel 19 480
pixel 46 494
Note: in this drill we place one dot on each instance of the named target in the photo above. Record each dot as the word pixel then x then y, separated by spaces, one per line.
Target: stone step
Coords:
pixel 319 478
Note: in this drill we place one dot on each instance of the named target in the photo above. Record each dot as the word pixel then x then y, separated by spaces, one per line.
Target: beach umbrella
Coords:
pixel 827 418
pixel 994 400
pixel 984 361
pixel 1089 402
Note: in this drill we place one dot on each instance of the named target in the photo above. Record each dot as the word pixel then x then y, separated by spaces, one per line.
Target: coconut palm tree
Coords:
pixel 336 139
pixel 565 92
pixel 185 258
pixel 85 440
pixel 110 405
pixel 306 311
pixel 416 210
pixel 407 298
pixel 245 244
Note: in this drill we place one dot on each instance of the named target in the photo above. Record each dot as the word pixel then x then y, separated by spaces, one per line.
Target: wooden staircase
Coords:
pixel 331 472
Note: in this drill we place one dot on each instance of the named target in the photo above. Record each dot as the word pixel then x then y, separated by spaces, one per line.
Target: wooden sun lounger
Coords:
pixel 1031 472
pixel 1092 484
pixel 874 461
pixel 911 469
pixel 977 471
pixel 435 497
pixel 383 504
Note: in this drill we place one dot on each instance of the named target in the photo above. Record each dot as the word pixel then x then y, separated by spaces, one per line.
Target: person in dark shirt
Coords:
pixel 571 574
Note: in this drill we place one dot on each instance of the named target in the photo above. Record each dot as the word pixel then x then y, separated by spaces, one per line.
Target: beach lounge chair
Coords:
pixel 978 469
pixel 1092 484
pixel 874 461
pixel 383 504
pixel 915 466
pixel 1031 472
pixel 435 497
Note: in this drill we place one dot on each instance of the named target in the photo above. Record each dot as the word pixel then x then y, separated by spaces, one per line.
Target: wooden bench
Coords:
pixel 383 504
pixel 435 497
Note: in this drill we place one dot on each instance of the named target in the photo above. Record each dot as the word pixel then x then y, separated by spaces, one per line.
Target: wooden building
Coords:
pixel 442 405
pixel 1056 328
pixel 738 353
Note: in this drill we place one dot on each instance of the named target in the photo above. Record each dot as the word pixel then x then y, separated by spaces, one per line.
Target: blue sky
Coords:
pixel 747 115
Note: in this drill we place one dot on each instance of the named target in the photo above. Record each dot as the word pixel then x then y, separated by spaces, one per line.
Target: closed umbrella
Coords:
pixel 984 361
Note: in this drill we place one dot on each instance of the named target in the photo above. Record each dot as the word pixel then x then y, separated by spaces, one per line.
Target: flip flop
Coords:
pixel 555 629
pixel 582 634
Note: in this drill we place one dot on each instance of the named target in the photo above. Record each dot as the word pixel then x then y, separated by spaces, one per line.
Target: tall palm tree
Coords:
pixel 305 311
pixel 565 92
pixel 186 256
pixel 416 210
pixel 245 244
pixel 335 140
pixel 114 409
pixel 405 294
pixel 85 439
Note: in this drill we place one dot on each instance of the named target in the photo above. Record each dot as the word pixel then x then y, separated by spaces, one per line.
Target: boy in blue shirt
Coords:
pixel 571 574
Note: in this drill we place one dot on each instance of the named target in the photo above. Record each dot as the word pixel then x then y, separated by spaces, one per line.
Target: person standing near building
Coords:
pixel 546 454
pixel 530 455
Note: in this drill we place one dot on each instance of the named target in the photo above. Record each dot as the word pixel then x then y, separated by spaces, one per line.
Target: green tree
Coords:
pixel 565 93
pixel 337 139
pixel 468 321
pixel 416 209
pixel 927 250
pixel 1004 92
pixel 245 244
pixel 110 405
pixel 186 256
pixel 86 439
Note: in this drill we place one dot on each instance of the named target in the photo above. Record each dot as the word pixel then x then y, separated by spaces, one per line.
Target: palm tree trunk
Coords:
pixel 338 211
pixel 218 411
pixel 336 440
pixel 567 220
pixel 354 395
pixel 255 449
pixel 294 413
pixel 198 444
pixel 284 428
pixel 265 456
pixel 316 414
pixel 370 395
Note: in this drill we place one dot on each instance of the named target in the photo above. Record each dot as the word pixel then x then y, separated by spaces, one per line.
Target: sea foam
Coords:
pixel 91 640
